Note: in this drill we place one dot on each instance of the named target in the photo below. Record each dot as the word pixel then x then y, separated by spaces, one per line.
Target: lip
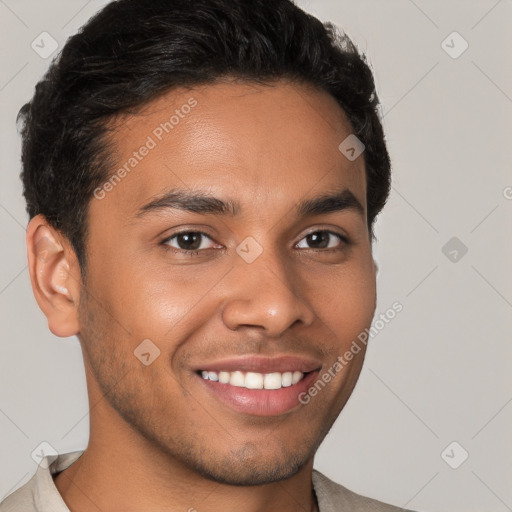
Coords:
pixel 262 364
pixel 260 402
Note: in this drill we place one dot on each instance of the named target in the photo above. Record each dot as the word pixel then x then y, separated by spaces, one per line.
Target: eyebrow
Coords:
pixel 203 203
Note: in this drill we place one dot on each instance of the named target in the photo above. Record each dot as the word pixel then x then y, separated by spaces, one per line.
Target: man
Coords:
pixel 202 180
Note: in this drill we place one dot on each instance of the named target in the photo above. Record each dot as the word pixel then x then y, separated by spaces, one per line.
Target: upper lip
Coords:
pixel 262 364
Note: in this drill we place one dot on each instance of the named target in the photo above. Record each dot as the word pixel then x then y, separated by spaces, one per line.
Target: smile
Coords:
pixel 254 380
pixel 257 385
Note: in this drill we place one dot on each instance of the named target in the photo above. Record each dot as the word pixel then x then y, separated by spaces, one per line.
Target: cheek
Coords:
pixel 357 300
pixel 156 301
pixel 345 300
pixel 153 299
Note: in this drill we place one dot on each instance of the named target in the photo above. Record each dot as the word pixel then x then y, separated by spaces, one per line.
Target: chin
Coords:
pixel 250 474
pixel 237 471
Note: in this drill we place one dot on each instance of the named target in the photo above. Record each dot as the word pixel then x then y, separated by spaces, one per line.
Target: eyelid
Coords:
pixel 344 239
pixel 185 231
pixel 328 229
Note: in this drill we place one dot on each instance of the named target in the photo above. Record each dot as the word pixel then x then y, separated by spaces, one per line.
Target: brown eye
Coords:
pixel 323 239
pixel 187 241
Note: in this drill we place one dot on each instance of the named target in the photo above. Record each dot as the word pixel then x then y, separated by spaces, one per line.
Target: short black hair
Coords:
pixel 132 51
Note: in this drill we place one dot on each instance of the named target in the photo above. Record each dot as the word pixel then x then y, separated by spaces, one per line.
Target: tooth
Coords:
pixel 286 379
pixel 253 380
pixel 224 377
pixel 272 381
pixel 296 377
pixel 237 379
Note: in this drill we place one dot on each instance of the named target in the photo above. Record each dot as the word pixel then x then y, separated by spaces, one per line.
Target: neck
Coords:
pixel 120 470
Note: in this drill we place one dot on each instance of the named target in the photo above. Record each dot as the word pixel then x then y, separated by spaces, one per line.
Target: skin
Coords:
pixel 158 439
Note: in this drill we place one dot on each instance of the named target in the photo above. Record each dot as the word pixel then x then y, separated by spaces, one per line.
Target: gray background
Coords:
pixel 437 373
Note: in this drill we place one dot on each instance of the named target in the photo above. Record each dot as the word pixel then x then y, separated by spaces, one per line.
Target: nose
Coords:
pixel 265 294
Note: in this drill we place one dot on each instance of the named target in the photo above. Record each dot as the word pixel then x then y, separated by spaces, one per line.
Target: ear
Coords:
pixel 55 276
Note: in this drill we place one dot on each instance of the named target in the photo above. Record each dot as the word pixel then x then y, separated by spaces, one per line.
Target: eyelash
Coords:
pixel 345 241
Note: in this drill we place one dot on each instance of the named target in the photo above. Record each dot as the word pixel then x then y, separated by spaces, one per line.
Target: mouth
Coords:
pixel 259 386
pixel 254 380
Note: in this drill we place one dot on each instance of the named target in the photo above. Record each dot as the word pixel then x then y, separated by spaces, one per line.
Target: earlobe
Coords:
pixel 54 275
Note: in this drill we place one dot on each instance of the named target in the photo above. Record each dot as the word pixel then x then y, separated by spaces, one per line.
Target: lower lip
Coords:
pixel 260 402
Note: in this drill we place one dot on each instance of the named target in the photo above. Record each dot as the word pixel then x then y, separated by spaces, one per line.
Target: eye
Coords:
pixel 192 242
pixel 322 240
pixel 187 241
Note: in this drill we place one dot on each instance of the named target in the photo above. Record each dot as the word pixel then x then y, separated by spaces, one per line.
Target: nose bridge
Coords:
pixel 262 291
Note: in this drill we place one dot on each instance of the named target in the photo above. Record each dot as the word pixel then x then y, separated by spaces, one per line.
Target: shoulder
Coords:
pixel 333 497
pixel 21 500
pixel 39 494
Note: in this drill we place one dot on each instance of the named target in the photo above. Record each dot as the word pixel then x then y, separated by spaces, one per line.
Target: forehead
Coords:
pixel 269 144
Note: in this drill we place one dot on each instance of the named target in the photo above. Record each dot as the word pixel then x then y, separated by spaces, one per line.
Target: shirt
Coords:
pixel 40 494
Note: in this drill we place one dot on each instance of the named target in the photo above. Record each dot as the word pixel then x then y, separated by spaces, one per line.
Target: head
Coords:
pixel 190 205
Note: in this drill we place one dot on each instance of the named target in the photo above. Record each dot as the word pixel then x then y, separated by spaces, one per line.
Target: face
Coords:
pixel 256 285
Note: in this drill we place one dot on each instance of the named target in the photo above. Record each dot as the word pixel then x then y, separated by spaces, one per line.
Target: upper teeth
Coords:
pixel 252 380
